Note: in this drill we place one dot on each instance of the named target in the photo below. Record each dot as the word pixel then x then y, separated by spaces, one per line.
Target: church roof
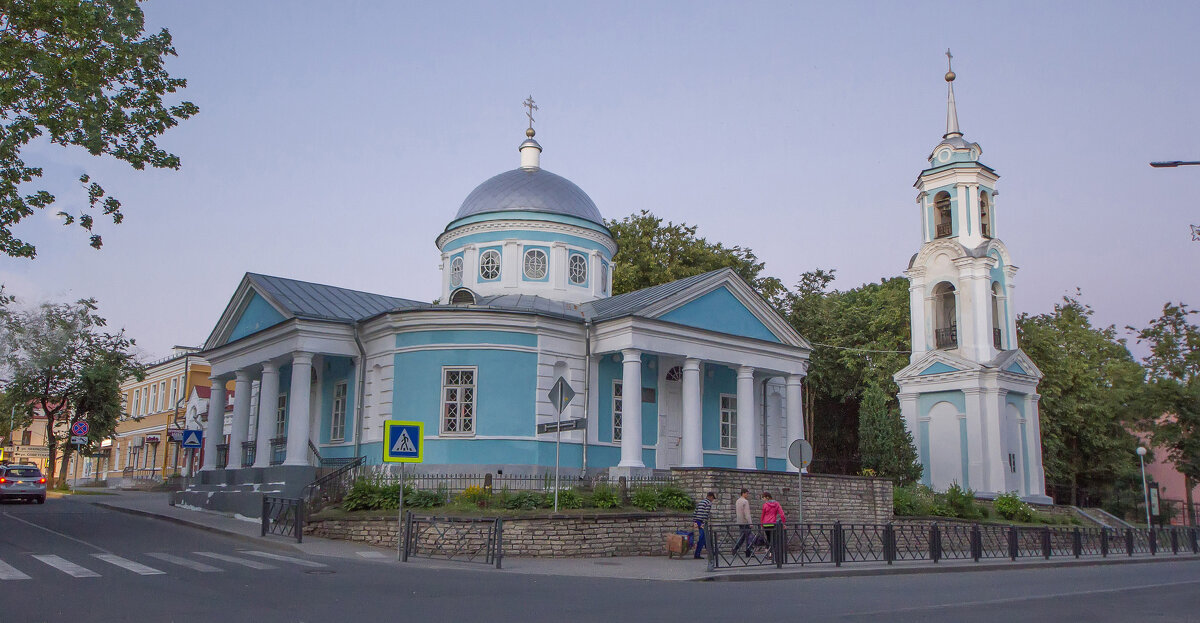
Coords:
pixel 317 301
pixel 633 302
pixel 530 189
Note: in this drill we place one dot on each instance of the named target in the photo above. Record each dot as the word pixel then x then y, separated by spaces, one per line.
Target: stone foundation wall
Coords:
pixel 556 536
pixel 827 497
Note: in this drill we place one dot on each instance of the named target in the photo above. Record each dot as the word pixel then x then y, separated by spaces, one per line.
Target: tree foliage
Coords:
pixel 885 443
pixel 650 253
pixel 1088 393
pixel 81 73
pixel 860 338
pixel 1171 403
pixel 66 366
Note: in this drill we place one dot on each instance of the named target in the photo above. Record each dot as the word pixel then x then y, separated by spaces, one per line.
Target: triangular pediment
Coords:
pixel 938 367
pixel 936 362
pixel 248 312
pixel 1016 362
pixel 725 303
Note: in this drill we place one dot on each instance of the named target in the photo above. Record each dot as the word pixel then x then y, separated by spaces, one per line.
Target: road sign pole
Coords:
pixel 76 478
pixel 557 443
pixel 800 504
pixel 400 526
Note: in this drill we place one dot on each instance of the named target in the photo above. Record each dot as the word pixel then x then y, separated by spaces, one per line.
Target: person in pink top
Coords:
pixel 772 519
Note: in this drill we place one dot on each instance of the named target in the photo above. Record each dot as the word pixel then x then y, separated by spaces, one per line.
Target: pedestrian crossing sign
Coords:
pixel 404 442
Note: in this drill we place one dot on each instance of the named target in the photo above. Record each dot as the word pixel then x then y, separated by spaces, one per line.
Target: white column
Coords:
pixel 268 402
pixel 631 409
pixel 1033 433
pixel 916 302
pixel 795 413
pixel 693 423
pixel 961 204
pixel 747 439
pixel 241 419
pixel 298 404
pixel 214 431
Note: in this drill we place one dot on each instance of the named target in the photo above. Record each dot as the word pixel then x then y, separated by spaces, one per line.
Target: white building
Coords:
pixel 969 395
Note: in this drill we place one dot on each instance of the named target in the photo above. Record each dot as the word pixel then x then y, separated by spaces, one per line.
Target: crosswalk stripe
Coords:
pixel 184 562
pixel 125 563
pixel 294 561
pixel 253 564
pixel 66 566
pixel 9 572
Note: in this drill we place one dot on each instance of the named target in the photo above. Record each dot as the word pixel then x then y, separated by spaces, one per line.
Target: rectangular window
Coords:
pixel 145 401
pixel 26 437
pixel 458 401
pixel 281 416
pixel 618 409
pixel 174 393
pixel 153 399
pixel 337 426
pixel 162 396
pixel 728 422
pixel 137 402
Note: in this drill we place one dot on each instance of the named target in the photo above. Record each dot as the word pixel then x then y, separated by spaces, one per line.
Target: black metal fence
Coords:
pixel 283 516
pixel 453 538
pixel 451 485
pixel 734 546
pixel 331 488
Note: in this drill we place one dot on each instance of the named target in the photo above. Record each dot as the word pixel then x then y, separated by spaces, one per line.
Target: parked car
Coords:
pixel 22 482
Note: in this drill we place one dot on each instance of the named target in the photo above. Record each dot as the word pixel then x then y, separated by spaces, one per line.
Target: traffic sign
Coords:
pixel 562 426
pixel 403 442
pixel 193 439
pixel 800 453
pixel 79 429
pixel 79 441
pixel 561 394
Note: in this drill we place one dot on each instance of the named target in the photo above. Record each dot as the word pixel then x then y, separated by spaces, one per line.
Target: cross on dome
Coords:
pixel 528 103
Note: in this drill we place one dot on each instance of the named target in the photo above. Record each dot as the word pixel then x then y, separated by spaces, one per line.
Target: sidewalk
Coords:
pixel 155 504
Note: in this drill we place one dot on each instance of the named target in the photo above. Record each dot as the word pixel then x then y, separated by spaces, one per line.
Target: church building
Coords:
pixel 696 372
pixel 969 396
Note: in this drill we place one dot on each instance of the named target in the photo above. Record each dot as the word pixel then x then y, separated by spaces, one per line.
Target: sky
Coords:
pixel 335 141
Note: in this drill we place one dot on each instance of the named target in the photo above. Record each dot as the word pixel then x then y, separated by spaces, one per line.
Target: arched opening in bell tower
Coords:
pixel 996 333
pixel 985 215
pixel 941 215
pixel 945 316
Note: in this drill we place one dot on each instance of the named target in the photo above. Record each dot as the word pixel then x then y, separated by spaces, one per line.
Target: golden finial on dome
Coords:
pixel 950 70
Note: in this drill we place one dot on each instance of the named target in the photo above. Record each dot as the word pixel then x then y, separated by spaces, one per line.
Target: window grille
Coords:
pixel 578 269
pixel 728 422
pixel 281 416
pixel 675 374
pixel 337 428
pixel 618 409
pixel 489 264
pixel 456 272
pixel 458 401
pixel 535 264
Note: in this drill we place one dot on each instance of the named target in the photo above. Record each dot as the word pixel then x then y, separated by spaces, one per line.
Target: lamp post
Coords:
pixel 1163 164
pixel 1141 452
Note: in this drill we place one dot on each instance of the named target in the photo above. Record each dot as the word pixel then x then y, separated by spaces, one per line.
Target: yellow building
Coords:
pixel 145 445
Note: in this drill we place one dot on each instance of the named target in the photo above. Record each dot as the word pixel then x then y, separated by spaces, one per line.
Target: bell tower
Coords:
pixel 969 393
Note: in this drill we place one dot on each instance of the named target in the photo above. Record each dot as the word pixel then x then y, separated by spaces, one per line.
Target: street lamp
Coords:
pixel 1141 452
pixel 1173 163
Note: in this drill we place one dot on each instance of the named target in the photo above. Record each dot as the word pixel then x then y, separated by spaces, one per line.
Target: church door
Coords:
pixel 670 414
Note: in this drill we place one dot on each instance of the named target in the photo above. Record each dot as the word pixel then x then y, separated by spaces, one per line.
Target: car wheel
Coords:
pixel 41 500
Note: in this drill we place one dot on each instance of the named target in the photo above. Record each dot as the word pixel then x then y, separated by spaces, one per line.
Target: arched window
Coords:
pixel 535 264
pixel 941 215
pixel 675 374
pixel 985 214
pixel 456 272
pixel 603 278
pixel 463 296
pixel 996 319
pixel 577 269
pixel 945 316
pixel 489 264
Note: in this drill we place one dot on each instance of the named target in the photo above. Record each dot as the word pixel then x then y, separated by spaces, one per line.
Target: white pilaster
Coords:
pixel 470 267
pixel 298 409
pixel 558 269
pixel 214 433
pixel 1033 432
pixel 268 401
pixel 747 438
pixel 594 276
pixel 916 302
pixel 693 427
pixel 631 409
pixel 795 413
pixel 511 262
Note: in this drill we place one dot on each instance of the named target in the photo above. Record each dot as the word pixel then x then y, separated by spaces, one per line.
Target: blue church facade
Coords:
pixel 696 372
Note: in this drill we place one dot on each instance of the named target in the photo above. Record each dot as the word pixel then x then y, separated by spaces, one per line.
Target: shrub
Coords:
pixel 1009 506
pixel 369 495
pixel 675 498
pixel 962 504
pixel 415 498
pixel 645 498
pixel 913 500
pixel 567 498
pixel 605 496
pixel 524 500
pixel 476 495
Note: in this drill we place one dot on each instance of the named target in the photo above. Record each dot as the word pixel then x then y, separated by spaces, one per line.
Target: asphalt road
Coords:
pixel 70 561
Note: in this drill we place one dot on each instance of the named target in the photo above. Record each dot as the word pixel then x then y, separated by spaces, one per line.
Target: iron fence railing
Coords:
pixel 839 543
pixel 479 540
pixel 283 516
pixel 946 338
pixel 451 485
pixel 332 487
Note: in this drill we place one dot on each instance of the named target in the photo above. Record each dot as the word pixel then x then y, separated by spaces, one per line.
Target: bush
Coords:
pixel 656 497
pixel 422 499
pixel 369 495
pixel 1010 507
pixel 645 498
pixel 962 504
pixel 524 500
pixel 476 495
pixel 605 496
pixel 913 500
pixel 567 498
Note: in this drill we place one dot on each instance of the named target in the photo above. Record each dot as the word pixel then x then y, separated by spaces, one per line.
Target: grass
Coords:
pixel 67 491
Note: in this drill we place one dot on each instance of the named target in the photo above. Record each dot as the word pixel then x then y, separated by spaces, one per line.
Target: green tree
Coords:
pixel 1171 404
pixel 81 73
pixel 67 367
pixel 650 253
pixel 884 442
pixel 1087 397
pixel 860 337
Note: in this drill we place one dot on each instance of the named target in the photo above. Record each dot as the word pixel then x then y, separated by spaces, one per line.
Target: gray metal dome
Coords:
pixel 532 190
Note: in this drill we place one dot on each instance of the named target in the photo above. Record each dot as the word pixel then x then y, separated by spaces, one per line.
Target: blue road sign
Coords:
pixel 193 439
pixel 403 442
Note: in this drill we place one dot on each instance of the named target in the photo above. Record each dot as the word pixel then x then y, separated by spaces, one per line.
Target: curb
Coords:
pixel 934 568
pixel 191 524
